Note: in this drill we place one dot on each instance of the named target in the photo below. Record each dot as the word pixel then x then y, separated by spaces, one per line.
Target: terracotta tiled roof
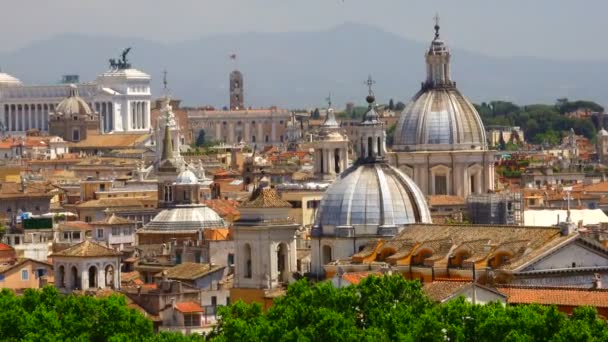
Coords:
pixel 439 200
pixel 188 307
pixel 85 249
pixel 114 202
pixel 557 296
pixel 70 225
pixel 441 290
pixel 224 207
pixel 188 271
pixel 266 198
pixel 356 277
pixel 119 140
pixel 20 262
pixel 113 220
pixel 5 247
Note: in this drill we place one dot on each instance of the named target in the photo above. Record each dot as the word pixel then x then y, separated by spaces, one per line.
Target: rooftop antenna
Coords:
pixel 165 83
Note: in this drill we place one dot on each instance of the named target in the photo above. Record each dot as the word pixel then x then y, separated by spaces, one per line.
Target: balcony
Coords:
pixel 117 239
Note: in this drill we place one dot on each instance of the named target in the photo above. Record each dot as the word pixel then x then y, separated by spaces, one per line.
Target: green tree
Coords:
pixel 200 139
pixel 46 315
pixel 391 104
pixel 390 308
pixel 316 114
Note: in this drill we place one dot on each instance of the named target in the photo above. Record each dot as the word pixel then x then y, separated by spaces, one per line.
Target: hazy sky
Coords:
pixel 557 29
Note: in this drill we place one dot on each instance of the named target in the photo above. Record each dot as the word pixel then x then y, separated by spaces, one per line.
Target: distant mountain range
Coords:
pixel 299 69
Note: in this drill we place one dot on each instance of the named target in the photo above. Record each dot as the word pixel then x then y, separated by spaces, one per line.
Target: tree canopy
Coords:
pixel 46 315
pixel 390 308
pixel 542 123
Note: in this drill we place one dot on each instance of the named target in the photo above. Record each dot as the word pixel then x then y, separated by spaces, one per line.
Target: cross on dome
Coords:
pixel 436 18
pixel 369 83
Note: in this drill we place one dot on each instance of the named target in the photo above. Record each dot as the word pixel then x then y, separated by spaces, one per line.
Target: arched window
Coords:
pixel 369 147
pixel 248 266
pixel 337 161
pixel 92 277
pixel 282 262
pixel 327 257
pixel 75 278
pixel 379 147
pixel 458 258
pixel 109 271
pixel 61 279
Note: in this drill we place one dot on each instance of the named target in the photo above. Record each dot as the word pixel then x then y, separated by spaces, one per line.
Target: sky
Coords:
pixel 556 29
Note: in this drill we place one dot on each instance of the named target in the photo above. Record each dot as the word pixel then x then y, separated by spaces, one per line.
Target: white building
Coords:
pixel 121 96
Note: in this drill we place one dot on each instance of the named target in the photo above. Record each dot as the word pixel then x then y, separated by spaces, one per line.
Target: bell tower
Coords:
pixel 372 141
pixel 331 148
pixel 236 91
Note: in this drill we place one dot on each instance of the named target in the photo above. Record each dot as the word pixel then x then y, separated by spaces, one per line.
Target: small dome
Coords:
pixel 374 194
pixel 186 177
pixel 603 132
pixel 185 218
pixel 73 104
pixel 7 80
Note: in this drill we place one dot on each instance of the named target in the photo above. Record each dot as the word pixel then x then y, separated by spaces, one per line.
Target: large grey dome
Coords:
pixel 185 218
pixel 373 194
pixel 439 118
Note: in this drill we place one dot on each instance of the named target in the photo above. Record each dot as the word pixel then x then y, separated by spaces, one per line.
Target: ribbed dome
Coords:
pixel 73 104
pixel 439 119
pixel 373 194
pixel 186 177
pixel 7 80
pixel 185 218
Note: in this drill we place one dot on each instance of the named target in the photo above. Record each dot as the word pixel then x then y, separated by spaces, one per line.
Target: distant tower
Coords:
pixel 236 90
pixel 331 148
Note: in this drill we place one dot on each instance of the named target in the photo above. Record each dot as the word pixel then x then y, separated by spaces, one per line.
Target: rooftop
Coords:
pixel 189 271
pixel 85 249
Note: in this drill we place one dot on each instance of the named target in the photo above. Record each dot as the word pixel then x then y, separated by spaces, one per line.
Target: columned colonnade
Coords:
pixel 23 117
pixel 139 115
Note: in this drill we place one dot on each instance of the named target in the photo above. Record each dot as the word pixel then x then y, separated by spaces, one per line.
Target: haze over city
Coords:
pixel 322 170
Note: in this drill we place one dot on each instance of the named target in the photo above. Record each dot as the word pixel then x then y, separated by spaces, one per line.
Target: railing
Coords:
pixel 345 231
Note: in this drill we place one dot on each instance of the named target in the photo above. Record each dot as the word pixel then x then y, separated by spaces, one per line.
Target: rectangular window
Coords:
pixel 25 275
pixel 115 231
pixel 472 181
pixel 312 204
pixel 88 219
pixel 295 204
pixel 66 235
pixel 230 259
pixel 213 300
pixel 100 233
pixel 76 235
pixel 441 185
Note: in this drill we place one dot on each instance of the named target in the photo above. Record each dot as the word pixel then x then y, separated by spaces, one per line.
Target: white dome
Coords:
pixel 374 194
pixel 185 218
pixel 603 132
pixel 186 177
pixel 7 80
